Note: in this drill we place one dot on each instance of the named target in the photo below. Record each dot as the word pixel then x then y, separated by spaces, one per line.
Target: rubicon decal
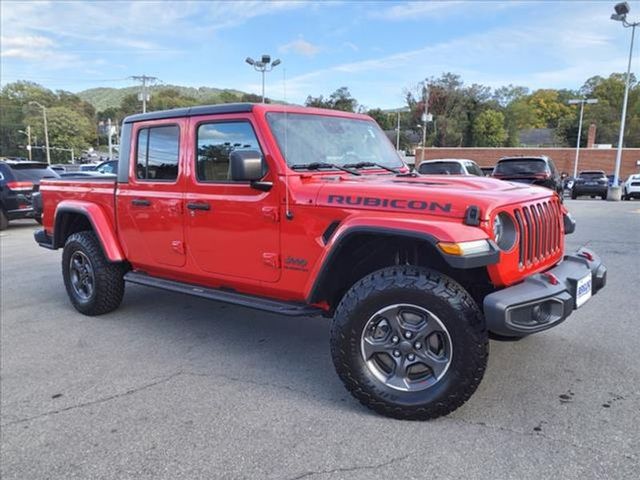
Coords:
pixel 397 203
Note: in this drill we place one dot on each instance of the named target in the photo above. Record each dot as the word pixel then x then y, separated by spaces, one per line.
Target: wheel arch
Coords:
pixel 360 250
pixel 73 217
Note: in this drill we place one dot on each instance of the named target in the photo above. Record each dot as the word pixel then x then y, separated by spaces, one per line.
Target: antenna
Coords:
pixel 287 211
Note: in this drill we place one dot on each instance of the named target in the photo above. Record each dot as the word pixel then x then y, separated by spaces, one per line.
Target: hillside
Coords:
pixel 104 97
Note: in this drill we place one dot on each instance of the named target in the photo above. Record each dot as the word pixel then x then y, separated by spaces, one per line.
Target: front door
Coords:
pixel 150 205
pixel 232 229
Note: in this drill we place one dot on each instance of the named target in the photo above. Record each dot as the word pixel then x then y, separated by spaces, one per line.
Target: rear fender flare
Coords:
pixel 101 226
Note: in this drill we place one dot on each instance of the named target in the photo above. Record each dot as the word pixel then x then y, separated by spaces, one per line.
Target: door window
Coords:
pixel 215 143
pixel 158 151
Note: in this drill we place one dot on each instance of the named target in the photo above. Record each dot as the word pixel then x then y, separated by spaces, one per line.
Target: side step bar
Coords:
pixel 274 306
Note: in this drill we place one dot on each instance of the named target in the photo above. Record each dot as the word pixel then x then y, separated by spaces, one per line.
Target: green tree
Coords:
pixel 383 119
pixel 548 107
pixel 67 129
pixel 488 129
pixel 341 99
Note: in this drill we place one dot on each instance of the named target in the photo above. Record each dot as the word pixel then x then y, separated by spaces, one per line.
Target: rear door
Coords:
pixel 150 205
pixel 232 229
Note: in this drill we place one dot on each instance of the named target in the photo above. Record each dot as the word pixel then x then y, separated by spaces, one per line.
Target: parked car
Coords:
pixel 487 171
pixel 449 166
pixel 18 181
pixel 530 170
pixel 109 166
pixel 286 209
pixel 592 183
pixel 631 188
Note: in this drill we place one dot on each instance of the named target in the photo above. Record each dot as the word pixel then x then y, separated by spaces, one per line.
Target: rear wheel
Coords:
pixel 4 221
pixel 409 343
pixel 94 285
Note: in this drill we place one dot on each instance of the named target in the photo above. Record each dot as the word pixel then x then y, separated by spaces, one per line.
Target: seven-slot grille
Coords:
pixel 540 231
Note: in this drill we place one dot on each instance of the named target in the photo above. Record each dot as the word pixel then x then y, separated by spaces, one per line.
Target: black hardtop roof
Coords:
pixel 191 111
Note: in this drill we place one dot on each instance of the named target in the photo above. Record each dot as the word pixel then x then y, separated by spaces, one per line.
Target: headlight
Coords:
pixel 504 231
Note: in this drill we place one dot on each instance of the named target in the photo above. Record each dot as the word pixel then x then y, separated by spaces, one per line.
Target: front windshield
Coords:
pixel 304 139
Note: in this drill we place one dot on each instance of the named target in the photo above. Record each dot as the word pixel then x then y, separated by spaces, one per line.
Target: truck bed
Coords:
pixel 94 190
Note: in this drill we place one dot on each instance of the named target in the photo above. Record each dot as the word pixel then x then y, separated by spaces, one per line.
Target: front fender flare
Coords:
pixel 102 227
pixel 431 232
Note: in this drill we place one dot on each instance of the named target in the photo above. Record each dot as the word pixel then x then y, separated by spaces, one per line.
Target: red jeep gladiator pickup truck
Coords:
pixel 302 211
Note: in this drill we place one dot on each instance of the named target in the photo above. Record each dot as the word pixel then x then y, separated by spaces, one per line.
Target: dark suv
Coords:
pixel 18 181
pixel 590 182
pixel 531 170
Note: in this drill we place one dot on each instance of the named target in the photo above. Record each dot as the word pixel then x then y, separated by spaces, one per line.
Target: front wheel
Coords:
pixel 94 285
pixel 409 343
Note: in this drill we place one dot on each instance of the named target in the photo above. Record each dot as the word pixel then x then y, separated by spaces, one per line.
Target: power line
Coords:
pixel 144 95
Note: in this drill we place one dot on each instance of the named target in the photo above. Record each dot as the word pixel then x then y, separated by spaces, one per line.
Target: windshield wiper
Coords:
pixel 371 164
pixel 319 165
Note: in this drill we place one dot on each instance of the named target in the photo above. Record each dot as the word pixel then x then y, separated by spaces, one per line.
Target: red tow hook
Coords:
pixel 551 278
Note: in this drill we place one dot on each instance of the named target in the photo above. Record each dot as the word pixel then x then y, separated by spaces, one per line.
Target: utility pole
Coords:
pixel 109 133
pixel 46 130
pixel 144 96
pixel 581 102
pixel 28 134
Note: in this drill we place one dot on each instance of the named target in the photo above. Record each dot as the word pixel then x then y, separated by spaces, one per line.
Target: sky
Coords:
pixel 377 49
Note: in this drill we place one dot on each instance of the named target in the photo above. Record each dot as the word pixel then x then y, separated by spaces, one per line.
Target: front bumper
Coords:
pixel 543 300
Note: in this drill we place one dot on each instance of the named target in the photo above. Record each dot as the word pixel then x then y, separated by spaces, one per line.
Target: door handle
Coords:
pixel 198 206
pixel 140 202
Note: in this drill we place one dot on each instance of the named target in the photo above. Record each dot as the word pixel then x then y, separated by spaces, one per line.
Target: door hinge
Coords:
pixel 271 213
pixel 271 259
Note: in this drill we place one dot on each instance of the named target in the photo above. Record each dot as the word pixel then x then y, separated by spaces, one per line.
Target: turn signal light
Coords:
pixel 465 248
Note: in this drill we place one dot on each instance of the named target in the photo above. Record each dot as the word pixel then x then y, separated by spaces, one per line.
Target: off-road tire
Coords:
pixel 108 277
pixel 438 294
pixel 4 221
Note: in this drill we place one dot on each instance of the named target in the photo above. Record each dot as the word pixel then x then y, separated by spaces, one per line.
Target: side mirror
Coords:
pixel 247 166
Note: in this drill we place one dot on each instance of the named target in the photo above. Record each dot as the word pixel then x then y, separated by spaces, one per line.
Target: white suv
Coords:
pixel 631 188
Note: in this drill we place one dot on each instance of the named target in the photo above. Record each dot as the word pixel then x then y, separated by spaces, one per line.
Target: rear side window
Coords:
pixel 520 167
pixel 216 141
pixel 158 152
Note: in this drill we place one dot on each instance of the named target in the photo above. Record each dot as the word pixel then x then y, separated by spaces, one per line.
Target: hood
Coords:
pixel 440 195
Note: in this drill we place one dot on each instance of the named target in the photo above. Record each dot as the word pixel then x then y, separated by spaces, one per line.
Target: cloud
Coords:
pixel 25 46
pixel 413 10
pixel 352 46
pixel 301 47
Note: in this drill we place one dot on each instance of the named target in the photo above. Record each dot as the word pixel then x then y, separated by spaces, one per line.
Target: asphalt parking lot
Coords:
pixel 175 387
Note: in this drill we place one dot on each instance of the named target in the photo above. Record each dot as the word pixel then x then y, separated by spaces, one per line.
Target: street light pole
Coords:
pixel 28 134
pixel 46 130
pixel 582 102
pixel 622 9
pixel 263 66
